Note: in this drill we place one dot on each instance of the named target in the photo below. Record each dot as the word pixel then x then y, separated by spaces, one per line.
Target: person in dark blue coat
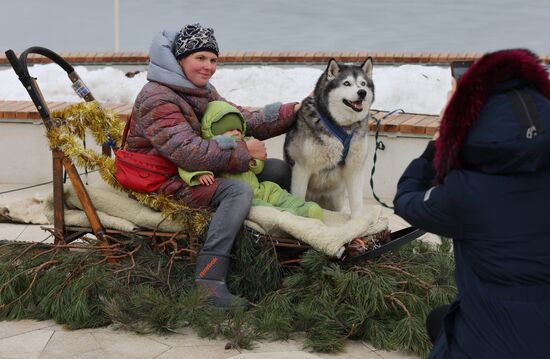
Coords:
pixel 486 184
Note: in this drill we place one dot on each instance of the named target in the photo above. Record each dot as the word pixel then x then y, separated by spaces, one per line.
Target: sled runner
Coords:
pixel 64 158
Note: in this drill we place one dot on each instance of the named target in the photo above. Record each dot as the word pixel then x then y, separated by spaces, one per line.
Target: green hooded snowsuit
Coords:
pixel 220 117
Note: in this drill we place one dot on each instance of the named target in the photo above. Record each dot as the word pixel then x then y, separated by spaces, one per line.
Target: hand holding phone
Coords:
pixel 458 68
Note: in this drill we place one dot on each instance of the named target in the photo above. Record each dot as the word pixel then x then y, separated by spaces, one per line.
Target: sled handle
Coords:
pixel 46 53
pixel 29 84
pixel 21 69
pixel 78 85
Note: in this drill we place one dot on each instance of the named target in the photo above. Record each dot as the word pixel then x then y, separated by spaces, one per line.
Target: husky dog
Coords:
pixel 327 146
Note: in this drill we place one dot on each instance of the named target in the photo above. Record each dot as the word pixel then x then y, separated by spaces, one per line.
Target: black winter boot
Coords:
pixel 211 273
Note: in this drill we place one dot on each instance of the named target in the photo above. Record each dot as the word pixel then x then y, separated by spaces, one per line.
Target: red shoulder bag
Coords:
pixel 141 172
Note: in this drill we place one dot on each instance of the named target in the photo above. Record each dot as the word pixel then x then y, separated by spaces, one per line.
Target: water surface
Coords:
pixel 344 25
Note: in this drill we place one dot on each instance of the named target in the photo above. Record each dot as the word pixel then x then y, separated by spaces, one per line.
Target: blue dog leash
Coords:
pixel 340 134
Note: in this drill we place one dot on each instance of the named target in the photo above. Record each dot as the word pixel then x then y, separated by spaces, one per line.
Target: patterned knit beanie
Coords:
pixel 194 38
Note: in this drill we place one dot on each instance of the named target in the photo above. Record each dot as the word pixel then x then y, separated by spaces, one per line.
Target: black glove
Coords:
pixel 429 152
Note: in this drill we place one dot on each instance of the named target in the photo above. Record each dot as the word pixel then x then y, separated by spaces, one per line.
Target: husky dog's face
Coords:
pixel 345 92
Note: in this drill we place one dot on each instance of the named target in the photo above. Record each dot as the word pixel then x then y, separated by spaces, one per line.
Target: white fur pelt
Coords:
pixel 329 236
pixel 114 209
pixel 27 210
pixel 117 211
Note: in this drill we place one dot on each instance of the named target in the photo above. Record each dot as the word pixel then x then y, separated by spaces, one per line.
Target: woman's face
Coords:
pixel 199 67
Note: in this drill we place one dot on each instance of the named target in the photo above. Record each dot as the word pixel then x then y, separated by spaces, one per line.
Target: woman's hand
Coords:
pixel 256 148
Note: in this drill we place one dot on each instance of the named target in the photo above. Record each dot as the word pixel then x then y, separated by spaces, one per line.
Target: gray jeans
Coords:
pixel 232 201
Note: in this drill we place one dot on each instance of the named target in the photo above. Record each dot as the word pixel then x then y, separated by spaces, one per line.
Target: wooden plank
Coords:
pixel 378 116
pixel 58 207
pixel 393 122
pixel 11 110
pixel 112 106
pixel 420 127
pixel 26 112
pixel 408 126
pixel 4 105
pixel 404 123
pixel 84 199
pixel 56 106
pixel 125 109
pixel 433 127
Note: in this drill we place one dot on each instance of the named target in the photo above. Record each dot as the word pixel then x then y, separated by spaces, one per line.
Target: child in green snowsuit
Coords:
pixel 222 119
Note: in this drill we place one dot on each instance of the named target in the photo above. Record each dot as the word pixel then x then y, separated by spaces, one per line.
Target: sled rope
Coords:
pixel 379 145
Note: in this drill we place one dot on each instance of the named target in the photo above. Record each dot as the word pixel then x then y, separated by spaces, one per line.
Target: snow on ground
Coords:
pixel 413 88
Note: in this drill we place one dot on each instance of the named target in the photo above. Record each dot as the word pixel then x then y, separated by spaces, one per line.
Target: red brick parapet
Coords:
pixel 269 57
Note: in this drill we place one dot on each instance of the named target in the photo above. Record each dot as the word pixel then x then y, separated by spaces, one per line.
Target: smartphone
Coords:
pixel 458 68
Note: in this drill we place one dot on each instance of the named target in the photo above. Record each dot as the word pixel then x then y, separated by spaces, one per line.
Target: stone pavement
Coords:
pixel 28 339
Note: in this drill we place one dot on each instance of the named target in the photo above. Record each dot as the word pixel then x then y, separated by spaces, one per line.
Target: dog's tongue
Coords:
pixel 358 105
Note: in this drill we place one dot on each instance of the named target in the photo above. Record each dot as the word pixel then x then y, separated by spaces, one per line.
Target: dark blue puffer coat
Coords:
pixel 494 202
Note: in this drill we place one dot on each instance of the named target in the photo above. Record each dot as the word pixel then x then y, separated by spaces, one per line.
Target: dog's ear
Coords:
pixel 367 66
pixel 332 69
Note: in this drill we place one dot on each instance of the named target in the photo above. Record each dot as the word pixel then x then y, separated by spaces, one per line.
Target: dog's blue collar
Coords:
pixel 340 134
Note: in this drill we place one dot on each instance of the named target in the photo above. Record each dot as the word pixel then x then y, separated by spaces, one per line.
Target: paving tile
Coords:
pixel 199 352
pixel 11 231
pixel 354 350
pixel 276 355
pixel 25 346
pixel 13 328
pixel 365 355
pixel 185 337
pixel 95 354
pixel 70 344
pixel 395 355
pixel 276 346
pixel 122 344
pixel 33 233
pixel 368 345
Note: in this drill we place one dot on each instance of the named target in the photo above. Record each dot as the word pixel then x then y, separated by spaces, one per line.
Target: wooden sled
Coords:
pixel 358 250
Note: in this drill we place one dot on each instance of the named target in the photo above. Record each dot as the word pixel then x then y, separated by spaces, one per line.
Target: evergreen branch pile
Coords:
pixel 383 301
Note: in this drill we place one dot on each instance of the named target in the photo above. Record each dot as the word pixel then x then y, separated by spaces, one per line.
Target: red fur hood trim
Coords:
pixel 473 90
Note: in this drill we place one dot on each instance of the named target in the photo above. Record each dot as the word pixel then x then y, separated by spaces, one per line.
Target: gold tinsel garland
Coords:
pixel 106 126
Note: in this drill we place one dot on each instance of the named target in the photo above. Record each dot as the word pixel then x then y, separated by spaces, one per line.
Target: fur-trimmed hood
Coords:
pixel 480 129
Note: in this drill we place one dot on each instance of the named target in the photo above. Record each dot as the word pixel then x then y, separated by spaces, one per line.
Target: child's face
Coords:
pixel 233 133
